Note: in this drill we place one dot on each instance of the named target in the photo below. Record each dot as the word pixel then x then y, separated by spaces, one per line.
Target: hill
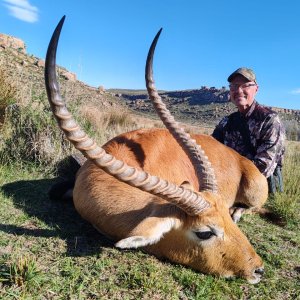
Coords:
pixel 203 107
pixel 199 107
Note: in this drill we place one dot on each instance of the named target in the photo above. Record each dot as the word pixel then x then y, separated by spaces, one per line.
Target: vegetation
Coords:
pixel 8 91
pixel 292 128
pixel 287 204
pixel 48 252
pixel 30 134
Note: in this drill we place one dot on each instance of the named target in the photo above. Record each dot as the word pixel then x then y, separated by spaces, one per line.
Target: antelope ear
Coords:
pixel 148 232
pixel 187 185
pixel 135 242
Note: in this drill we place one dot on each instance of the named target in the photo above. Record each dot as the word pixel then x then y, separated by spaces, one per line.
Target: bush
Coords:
pixel 292 128
pixel 30 134
pixel 8 90
pixel 287 204
pixel 8 93
pixel 106 124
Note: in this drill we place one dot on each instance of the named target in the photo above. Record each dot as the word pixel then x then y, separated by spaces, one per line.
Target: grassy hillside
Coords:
pixel 202 107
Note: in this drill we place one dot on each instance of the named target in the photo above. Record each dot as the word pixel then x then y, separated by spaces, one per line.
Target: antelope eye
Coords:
pixel 204 235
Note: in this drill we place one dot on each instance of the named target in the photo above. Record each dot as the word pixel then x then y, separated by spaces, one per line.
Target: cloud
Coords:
pixel 296 91
pixel 22 10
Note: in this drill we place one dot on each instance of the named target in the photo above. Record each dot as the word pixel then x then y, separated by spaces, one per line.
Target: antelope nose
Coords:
pixel 259 271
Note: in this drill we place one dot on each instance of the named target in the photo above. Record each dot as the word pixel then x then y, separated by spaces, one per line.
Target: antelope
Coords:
pixel 163 190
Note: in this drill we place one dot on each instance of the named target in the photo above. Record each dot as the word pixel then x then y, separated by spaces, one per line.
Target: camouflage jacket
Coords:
pixel 259 135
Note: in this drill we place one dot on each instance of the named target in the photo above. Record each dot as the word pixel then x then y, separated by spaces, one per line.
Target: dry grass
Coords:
pixel 14 86
pixel 287 204
pixel 8 93
pixel 104 125
pixel 8 89
pixel 102 120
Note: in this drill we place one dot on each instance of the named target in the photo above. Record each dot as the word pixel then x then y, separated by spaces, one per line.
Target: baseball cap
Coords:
pixel 246 72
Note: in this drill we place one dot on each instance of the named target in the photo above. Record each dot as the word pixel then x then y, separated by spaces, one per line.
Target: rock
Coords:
pixel 101 89
pixel 7 41
pixel 68 75
pixel 40 63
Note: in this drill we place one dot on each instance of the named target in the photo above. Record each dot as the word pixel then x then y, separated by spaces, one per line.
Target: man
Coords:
pixel 254 131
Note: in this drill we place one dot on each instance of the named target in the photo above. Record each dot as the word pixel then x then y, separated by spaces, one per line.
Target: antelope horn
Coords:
pixel 204 171
pixel 177 195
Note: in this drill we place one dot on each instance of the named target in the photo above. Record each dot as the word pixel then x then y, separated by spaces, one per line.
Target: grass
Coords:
pixel 30 133
pixel 106 124
pixel 48 252
pixel 8 91
pixel 20 271
pixel 287 204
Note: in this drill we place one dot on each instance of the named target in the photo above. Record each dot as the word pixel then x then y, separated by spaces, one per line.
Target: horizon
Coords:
pixel 200 45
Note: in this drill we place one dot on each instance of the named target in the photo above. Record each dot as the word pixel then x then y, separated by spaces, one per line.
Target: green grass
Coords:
pixel 48 252
pixel 287 204
pixel 30 133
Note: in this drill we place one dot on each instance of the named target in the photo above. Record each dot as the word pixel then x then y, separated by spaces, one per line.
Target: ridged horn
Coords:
pixel 174 194
pixel 204 171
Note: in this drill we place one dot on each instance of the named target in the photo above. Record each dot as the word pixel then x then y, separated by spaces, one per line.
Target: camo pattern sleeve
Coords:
pixel 270 139
pixel 219 131
pixel 264 144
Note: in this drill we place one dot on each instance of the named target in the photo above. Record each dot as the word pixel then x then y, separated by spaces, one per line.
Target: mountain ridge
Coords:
pixel 203 106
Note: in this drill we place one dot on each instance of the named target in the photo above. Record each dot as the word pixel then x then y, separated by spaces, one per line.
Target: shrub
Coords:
pixel 287 204
pixel 30 134
pixel 8 90
pixel 106 124
pixel 8 93
pixel 292 128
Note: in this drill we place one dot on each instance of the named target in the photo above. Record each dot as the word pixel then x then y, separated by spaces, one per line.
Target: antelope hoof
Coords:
pixel 236 213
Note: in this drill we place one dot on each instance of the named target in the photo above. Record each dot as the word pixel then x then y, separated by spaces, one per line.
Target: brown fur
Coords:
pixel 121 211
pixel 210 242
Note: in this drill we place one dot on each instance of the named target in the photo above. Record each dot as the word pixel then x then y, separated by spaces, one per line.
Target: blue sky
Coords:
pixel 106 42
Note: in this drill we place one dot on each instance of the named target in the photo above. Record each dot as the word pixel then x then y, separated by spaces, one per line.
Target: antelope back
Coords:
pixel 157 152
pixel 139 219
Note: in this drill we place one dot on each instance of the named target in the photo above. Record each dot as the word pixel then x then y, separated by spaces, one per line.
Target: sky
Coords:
pixel 202 42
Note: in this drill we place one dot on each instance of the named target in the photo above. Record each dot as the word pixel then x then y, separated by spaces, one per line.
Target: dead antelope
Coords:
pixel 131 189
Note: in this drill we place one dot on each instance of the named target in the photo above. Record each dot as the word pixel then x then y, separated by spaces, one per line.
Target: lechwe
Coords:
pixel 181 211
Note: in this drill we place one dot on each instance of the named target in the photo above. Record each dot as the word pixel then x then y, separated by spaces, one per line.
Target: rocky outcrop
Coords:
pixel 204 95
pixel 7 41
pixel 206 105
pixel 27 71
pixel 68 75
pixel 40 63
pixel 286 111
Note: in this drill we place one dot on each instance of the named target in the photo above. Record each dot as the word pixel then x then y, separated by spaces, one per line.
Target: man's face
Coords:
pixel 242 92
